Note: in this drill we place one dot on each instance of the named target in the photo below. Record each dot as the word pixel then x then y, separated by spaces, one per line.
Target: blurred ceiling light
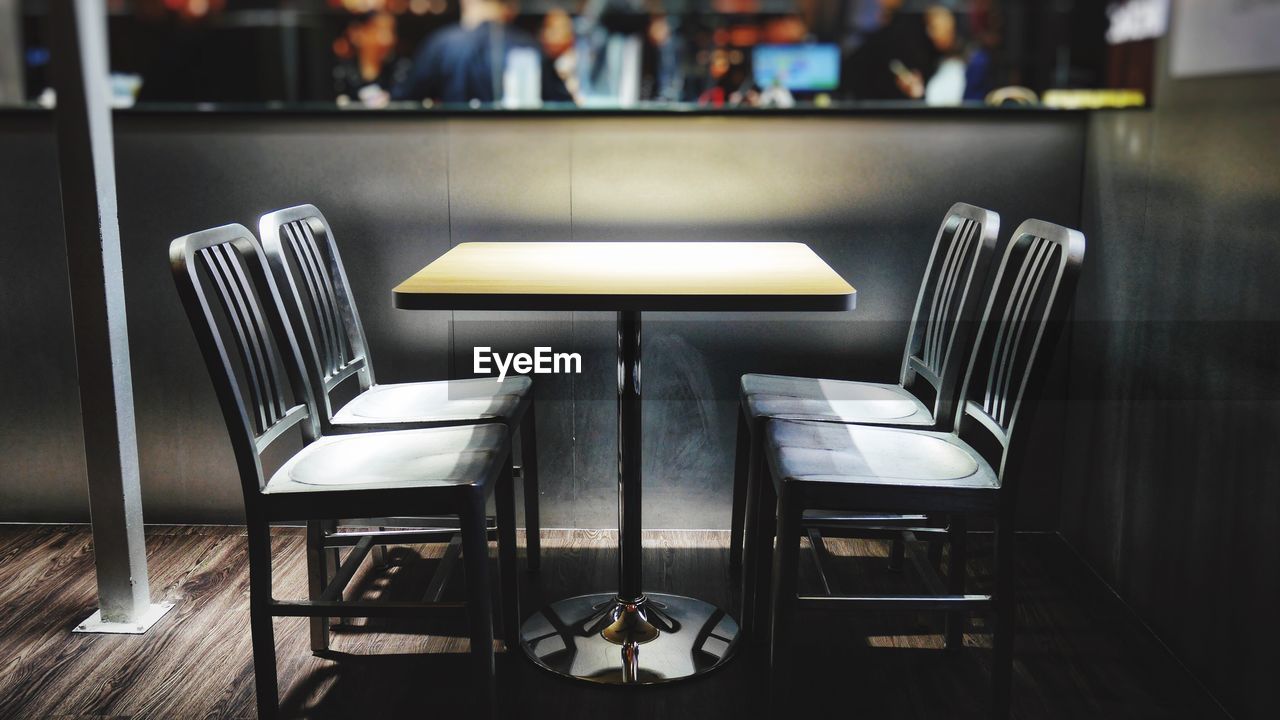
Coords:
pixel 782 31
pixel 195 9
pixel 360 6
pixel 744 35
pixel 736 6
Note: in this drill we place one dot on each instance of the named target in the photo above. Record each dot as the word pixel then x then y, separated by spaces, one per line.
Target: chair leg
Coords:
pixel 758 535
pixel 261 631
pixel 897 554
pixel 333 556
pixel 378 553
pixel 786 563
pixel 935 553
pixel 738 519
pixel 1002 642
pixel 475 557
pixel 507 573
pixel 956 570
pixel 529 480
pixel 317 580
pixel 333 561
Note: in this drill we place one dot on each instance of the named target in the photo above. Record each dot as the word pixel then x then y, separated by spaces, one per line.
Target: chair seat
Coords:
pixel 798 398
pixel 444 402
pixel 816 452
pixel 395 460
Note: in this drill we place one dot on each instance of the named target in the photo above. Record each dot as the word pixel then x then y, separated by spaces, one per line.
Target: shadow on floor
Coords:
pixel 1079 655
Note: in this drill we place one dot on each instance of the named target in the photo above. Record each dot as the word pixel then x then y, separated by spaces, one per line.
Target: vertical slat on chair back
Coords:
pixel 235 312
pixel 331 337
pixel 947 305
pixel 1027 305
pixel 305 259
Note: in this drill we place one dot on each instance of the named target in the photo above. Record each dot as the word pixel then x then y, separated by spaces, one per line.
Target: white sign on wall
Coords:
pixel 1134 20
pixel 1220 37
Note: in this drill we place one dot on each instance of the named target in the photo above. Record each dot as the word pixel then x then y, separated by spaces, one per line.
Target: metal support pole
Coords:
pixel 11 60
pixel 628 636
pixel 87 169
pixel 630 543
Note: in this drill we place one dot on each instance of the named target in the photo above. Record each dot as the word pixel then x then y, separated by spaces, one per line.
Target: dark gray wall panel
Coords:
pixel 42 474
pixel 1170 487
pixel 865 192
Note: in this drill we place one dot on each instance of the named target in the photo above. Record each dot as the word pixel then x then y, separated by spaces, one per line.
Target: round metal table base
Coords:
pixel 658 639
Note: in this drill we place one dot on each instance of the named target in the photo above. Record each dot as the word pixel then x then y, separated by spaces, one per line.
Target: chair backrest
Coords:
pixel 942 325
pixel 304 258
pixel 235 312
pixel 1025 313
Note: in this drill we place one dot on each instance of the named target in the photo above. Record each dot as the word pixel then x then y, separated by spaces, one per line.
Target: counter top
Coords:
pixel 564 110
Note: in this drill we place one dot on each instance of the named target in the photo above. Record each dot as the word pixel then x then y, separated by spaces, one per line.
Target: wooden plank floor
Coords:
pixel 1079 654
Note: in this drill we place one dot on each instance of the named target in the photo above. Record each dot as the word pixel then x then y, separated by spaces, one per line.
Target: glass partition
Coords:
pixel 597 54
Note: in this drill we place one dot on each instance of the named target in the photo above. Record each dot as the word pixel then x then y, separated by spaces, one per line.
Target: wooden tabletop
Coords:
pixel 710 276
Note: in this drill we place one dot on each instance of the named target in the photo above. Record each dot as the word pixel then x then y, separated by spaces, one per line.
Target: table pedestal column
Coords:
pixel 629 637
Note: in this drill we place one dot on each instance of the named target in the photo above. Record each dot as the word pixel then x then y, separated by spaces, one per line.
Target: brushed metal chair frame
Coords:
pixel 304 257
pixel 263 397
pixel 942 327
pixel 1025 312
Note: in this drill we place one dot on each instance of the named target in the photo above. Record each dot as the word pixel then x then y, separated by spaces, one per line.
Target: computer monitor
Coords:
pixel 798 68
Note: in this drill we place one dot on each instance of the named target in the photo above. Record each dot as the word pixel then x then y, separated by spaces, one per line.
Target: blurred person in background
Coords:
pixel 895 61
pixel 556 36
pixel 946 85
pixel 663 59
pixel 611 37
pixel 367 67
pixel 729 82
pixel 466 62
pixel 985 29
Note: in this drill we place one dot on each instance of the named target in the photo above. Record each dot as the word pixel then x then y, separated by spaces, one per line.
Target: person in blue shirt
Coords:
pixel 465 62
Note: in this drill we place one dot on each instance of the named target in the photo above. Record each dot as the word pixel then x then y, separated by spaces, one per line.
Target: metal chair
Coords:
pixel 254 361
pixel 304 258
pixel 925 394
pixel 972 470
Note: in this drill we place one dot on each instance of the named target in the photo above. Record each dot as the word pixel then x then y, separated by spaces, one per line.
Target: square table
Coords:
pixel 628 636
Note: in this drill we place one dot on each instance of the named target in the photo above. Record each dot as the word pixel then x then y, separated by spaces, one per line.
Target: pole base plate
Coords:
pixel 95 623
pixel 659 638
